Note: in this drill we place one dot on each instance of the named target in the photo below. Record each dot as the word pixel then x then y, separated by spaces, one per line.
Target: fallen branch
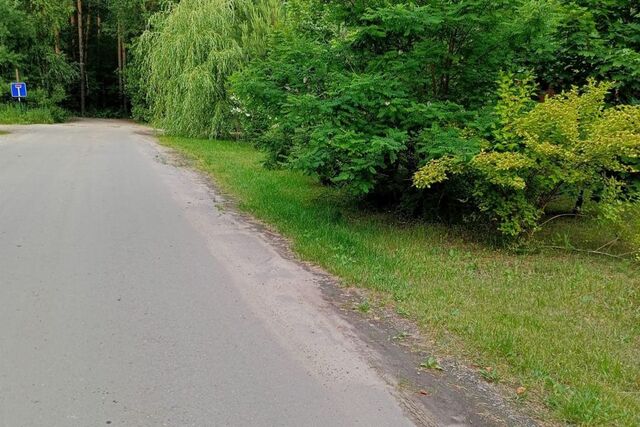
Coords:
pixel 558 216
pixel 590 251
pixel 606 245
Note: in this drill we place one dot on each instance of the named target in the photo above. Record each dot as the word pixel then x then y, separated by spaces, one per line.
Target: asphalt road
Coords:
pixel 129 298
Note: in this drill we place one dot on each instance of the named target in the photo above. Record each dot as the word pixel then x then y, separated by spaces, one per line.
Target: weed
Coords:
pixel 490 374
pixel 400 336
pixel 431 363
pixel 364 306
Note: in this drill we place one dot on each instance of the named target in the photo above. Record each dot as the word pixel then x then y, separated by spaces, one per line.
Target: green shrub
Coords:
pixel 571 144
pixel 363 94
pixel 42 106
pixel 23 114
pixel 358 105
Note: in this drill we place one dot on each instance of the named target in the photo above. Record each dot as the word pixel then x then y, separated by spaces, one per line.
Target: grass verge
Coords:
pixel 564 326
pixel 12 114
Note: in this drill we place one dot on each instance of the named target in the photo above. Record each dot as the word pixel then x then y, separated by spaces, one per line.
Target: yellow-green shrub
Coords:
pixel 568 145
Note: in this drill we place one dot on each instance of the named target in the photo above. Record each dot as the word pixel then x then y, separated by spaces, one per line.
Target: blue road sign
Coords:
pixel 19 90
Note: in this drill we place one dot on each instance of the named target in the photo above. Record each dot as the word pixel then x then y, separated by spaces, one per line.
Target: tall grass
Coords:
pixel 22 114
pixel 189 51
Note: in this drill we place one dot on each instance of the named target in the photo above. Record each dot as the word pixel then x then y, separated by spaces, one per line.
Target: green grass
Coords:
pixel 566 326
pixel 12 114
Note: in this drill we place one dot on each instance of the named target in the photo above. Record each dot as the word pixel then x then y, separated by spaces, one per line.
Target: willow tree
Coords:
pixel 187 54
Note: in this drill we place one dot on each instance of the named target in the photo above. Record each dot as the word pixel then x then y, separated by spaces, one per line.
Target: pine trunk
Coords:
pixel 56 41
pixel 120 65
pixel 81 56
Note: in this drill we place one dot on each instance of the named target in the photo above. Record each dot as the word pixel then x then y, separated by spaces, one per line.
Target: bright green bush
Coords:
pixel 42 106
pixel 569 145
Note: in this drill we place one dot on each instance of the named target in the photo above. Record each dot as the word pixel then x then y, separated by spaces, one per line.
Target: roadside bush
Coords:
pixel 42 106
pixel 49 101
pixel 22 114
pixel 363 94
pixel 353 105
pixel 570 145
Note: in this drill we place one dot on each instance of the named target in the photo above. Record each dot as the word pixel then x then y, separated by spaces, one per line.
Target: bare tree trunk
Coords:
pixel 124 78
pixel 81 57
pixel 74 40
pixel 87 30
pixel 120 65
pixel 56 41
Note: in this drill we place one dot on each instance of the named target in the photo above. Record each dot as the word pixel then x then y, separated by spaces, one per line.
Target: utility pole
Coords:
pixel 81 57
pixel 17 75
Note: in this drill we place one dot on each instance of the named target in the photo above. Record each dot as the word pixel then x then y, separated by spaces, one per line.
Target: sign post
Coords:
pixel 19 90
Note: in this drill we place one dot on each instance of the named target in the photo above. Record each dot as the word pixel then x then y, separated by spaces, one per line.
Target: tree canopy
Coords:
pixel 187 55
pixel 42 40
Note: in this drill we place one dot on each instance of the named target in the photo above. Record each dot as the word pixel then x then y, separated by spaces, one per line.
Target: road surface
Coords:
pixel 129 298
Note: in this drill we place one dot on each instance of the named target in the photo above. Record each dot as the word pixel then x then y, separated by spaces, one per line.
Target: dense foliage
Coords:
pixel 187 55
pixel 21 30
pixel 570 144
pixel 71 52
pixel 503 114
pixel 364 94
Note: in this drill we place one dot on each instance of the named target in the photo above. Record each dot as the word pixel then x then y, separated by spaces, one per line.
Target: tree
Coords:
pixel 128 20
pixel 81 56
pixel 187 54
pixel 51 17
pixel 351 101
pixel 17 33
